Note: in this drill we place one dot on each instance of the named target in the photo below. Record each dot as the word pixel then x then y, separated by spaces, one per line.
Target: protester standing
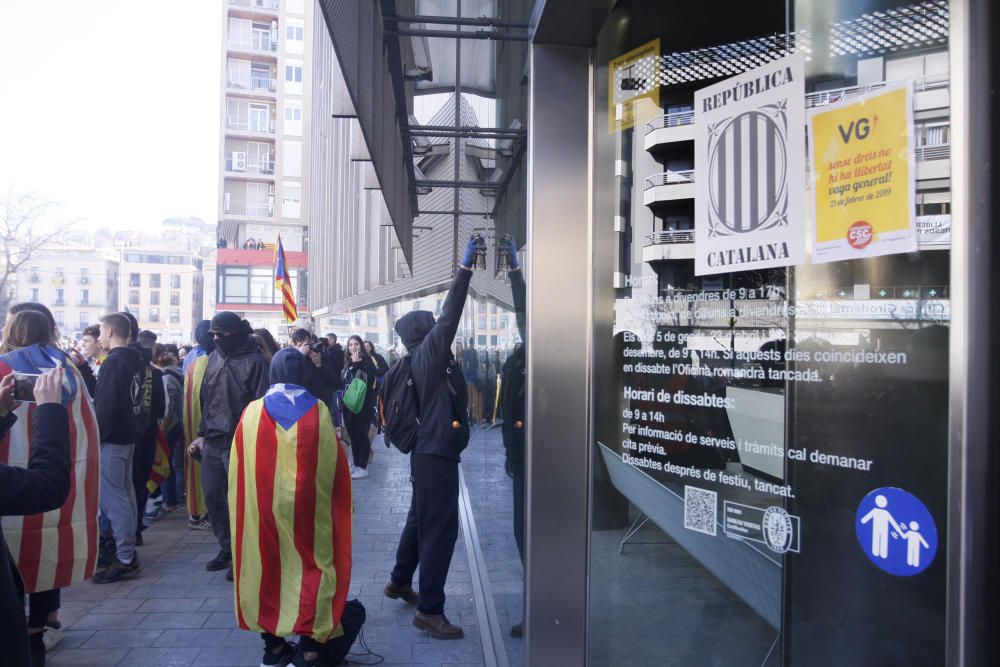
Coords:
pixel 194 366
pixel 235 375
pixel 358 366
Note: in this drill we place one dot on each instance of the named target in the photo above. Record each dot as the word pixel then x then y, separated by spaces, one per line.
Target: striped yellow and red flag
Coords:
pixel 290 517
pixel 161 462
pixel 194 373
pixel 283 281
pixel 58 548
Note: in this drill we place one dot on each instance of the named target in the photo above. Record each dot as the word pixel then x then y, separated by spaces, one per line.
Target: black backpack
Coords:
pixel 399 407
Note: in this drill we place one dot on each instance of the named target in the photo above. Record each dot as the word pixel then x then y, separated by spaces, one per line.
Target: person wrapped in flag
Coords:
pixel 290 517
pixel 194 372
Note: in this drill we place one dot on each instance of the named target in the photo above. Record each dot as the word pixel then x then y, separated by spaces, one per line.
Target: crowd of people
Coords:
pixel 251 438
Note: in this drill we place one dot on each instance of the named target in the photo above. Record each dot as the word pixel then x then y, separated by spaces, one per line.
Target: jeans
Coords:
pixel 215 483
pixel 431 529
pixel 118 497
pixel 173 486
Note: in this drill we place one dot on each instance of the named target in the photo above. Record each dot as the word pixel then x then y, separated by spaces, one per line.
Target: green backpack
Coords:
pixel 354 397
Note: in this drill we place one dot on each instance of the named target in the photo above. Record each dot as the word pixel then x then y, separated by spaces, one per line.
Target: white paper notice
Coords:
pixel 750 167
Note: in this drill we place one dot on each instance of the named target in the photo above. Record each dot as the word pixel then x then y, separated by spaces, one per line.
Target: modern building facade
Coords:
pixel 79 283
pixel 264 153
pixel 163 287
pixel 786 465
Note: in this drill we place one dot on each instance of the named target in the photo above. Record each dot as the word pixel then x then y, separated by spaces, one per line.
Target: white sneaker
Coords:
pixel 359 473
pixel 53 635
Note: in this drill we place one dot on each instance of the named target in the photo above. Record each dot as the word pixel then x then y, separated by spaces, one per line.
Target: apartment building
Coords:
pixel 163 288
pixel 263 158
pixel 79 283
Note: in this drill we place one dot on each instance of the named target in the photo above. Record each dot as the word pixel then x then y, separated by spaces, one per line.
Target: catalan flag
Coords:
pixel 161 462
pixel 284 283
pixel 290 517
pixel 194 373
pixel 58 548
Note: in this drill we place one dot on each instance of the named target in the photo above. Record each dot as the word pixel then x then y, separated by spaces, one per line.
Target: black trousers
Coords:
pixel 142 468
pixel 431 529
pixel 357 428
pixel 513 441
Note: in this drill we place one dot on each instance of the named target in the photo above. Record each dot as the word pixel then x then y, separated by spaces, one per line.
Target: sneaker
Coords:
pixel 279 659
pixel 200 523
pixel 359 473
pixel 437 625
pixel 405 592
pixel 299 659
pixel 53 634
pixel 117 571
pixel 106 552
pixel 220 562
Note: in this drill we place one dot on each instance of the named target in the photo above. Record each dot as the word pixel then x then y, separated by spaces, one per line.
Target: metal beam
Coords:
pixel 483 21
pixel 477 214
pixel 462 34
pixel 465 130
pixel 458 184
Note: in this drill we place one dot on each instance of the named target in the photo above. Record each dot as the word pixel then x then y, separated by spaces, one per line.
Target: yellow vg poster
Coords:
pixel 634 88
pixel 863 177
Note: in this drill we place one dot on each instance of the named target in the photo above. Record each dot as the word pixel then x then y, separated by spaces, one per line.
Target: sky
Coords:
pixel 111 108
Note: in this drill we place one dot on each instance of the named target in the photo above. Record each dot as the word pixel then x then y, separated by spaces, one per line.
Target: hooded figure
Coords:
pixel 194 373
pixel 290 513
pixel 206 344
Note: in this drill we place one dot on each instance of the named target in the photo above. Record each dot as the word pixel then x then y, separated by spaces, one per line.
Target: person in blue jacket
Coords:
pixel 41 487
pixel 431 528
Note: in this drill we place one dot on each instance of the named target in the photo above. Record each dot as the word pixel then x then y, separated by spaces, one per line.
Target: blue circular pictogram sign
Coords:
pixel 896 531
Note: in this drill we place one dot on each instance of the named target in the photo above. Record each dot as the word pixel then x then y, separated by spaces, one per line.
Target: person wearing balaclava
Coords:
pixel 431 528
pixel 235 374
pixel 195 364
pixel 296 547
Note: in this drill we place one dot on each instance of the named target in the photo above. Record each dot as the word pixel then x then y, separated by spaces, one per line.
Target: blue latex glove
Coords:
pixel 475 243
pixel 508 246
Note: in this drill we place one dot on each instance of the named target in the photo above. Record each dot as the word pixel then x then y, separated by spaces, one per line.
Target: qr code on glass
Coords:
pixel 699 509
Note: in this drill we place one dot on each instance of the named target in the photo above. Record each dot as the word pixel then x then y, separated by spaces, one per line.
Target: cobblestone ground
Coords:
pixel 176 613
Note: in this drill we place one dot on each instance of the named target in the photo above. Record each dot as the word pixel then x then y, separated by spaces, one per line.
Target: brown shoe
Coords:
pixel 437 625
pixel 395 591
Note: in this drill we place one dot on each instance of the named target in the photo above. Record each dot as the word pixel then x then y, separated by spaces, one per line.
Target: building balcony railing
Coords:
pixel 669 178
pixel 254 85
pixel 253 43
pixel 252 209
pixel 669 236
pixel 824 97
pixel 932 152
pixel 239 164
pixel 246 125
pixel 269 5
pixel 672 119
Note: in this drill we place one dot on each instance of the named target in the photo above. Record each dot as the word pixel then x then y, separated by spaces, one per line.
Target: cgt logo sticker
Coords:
pixel 859 235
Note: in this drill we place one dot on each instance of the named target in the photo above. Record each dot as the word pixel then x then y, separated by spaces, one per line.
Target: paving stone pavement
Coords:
pixel 178 614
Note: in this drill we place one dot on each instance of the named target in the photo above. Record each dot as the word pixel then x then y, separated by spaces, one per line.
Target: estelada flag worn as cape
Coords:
pixel 161 462
pixel 290 517
pixel 194 373
pixel 58 548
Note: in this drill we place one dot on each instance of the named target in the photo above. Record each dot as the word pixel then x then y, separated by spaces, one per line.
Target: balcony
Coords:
pixel 258 43
pixel 931 92
pixel 932 161
pixel 239 164
pixel 255 128
pixel 667 245
pixel 248 209
pixel 254 86
pixel 668 186
pixel 668 128
pixel 267 6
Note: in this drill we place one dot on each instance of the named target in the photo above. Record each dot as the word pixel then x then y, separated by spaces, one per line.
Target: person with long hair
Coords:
pixel 357 364
pixel 65 542
pixel 266 343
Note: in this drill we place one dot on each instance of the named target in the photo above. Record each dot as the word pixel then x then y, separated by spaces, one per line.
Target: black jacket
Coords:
pixel 119 397
pixel 381 365
pixel 42 486
pixel 231 382
pixel 440 384
pixel 513 379
pixel 333 358
pixel 173 383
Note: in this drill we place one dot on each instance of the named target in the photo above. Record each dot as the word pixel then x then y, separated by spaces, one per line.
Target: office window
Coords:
pixel 59 317
pixel 357 319
pixel 33 275
pixel 84 276
pixel 234 284
pixel 293 78
pixel 481 322
pixel 133 297
pixel 175 281
pixel 154 280
pixel 175 298
pixel 493 322
pixel 154 298
pixel 291 196
pixel 175 315
pixel 372 320
pixel 34 294
pixel 481 340
pixel 293 118
pixel 60 296
pixel 154 314
pixel 134 280
pixel 84 297
pixel 294 35
pixel 493 341
pixel 84 319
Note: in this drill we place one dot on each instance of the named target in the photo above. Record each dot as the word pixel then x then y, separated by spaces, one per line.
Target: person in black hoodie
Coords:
pixel 321 380
pixel 122 414
pixel 236 374
pixel 42 487
pixel 431 528
pixel 334 356
pixel 357 364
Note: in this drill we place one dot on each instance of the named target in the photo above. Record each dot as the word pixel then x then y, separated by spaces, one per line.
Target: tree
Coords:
pixel 24 228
